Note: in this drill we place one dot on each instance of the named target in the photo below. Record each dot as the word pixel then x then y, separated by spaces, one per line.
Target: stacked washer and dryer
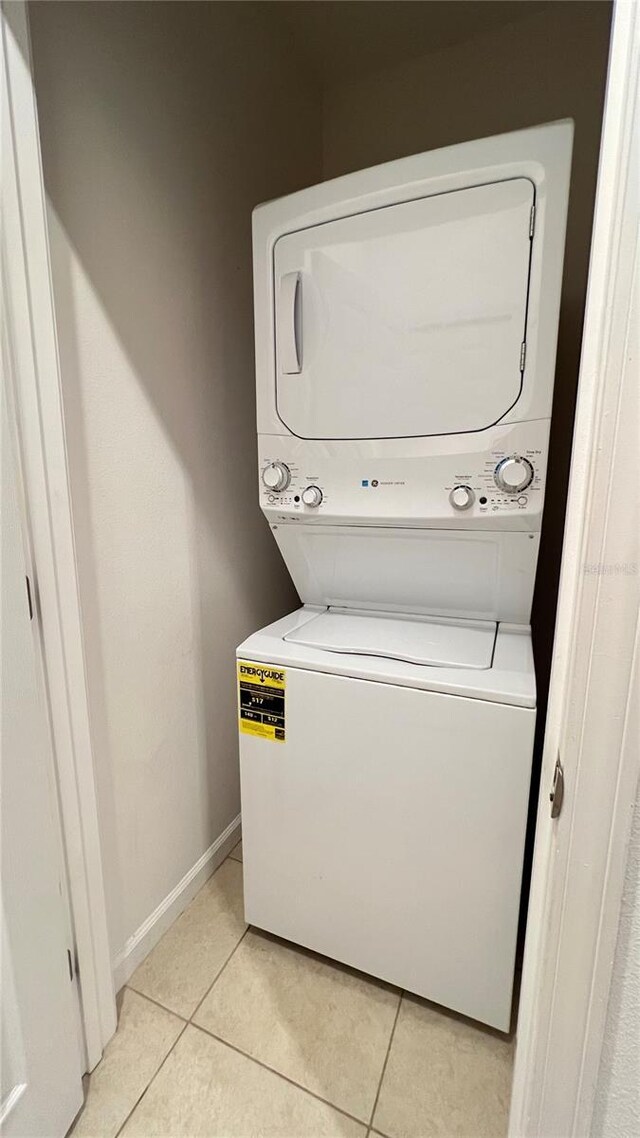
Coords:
pixel 406 323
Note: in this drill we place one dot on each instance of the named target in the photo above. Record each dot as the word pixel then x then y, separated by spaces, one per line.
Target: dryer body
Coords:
pixel 406 322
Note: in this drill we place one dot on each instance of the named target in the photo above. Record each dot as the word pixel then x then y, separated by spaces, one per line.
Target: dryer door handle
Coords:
pixel 289 324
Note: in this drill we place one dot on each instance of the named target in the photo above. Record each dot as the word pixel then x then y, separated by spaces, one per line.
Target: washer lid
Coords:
pixel 431 641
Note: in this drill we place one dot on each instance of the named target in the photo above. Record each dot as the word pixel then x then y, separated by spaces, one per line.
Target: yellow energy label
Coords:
pixel 261 696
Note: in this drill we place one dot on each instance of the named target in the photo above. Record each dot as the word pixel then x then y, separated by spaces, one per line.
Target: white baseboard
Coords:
pixel 148 934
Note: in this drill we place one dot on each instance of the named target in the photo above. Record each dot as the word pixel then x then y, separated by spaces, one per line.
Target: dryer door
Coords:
pixel 406 320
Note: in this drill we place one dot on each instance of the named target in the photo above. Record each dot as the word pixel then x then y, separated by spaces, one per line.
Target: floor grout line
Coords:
pixel 155 1073
pixel 163 1007
pixel 279 1074
pixel 218 974
pixel 386 1060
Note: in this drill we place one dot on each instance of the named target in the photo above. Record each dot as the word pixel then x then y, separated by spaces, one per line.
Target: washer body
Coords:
pixel 386 829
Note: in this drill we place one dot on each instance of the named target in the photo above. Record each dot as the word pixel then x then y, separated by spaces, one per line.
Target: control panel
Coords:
pixel 498 486
pixel 276 479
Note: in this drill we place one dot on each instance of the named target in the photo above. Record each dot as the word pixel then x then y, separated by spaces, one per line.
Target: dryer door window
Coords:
pixel 406 320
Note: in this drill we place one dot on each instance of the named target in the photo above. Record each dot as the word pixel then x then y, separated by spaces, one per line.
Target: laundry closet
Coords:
pixel 163 126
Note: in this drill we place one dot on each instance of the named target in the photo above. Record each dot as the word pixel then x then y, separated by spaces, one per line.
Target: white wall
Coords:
pixel 162 126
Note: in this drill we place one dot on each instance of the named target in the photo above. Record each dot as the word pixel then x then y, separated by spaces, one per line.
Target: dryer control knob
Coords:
pixel 513 474
pixel 276 476
pixel 462 497
pixel 312 496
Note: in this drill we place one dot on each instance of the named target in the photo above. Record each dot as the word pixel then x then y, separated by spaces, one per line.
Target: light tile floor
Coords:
pixel 225 1032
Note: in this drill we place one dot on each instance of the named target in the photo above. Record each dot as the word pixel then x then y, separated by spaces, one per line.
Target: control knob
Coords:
pixel 312 496
pixel 462 497
pixel 513 474
pixel 276 476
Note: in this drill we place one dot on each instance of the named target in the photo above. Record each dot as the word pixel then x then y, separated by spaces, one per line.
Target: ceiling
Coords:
pixel 345 39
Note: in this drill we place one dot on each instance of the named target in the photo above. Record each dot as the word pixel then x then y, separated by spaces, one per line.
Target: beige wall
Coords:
pixel 162 126
pixel 546 66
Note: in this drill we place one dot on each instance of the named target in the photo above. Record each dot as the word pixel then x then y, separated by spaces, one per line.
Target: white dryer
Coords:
pixel 406 322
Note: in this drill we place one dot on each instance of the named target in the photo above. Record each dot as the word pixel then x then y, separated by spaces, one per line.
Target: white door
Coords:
pixel 406 320
pixel 40 1063
pixel 28 322
pixel 580 857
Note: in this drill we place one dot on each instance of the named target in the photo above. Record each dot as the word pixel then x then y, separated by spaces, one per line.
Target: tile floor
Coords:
pixel 225 1032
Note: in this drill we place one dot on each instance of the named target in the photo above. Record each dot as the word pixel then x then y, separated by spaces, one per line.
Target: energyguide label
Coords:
pixel 261 700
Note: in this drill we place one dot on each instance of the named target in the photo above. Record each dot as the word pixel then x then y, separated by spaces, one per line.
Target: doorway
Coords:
pixel 149 358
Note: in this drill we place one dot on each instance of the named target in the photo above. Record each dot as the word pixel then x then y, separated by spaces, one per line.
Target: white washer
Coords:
pixel 406 321
pixel 386 829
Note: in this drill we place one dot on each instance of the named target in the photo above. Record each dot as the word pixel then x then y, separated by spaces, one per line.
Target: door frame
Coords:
pixel 37 399
pixel 580 858
pixel 548 1097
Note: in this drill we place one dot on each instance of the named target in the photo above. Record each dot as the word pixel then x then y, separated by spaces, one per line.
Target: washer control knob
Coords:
pixel 513 474
pixel 312 496
pixel 276 476
pixel 462 497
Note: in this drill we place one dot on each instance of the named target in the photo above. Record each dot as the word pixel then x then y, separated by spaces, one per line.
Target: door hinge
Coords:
pixel 556 797
pixel 532 221
pixel 523 354
pixel 29 598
